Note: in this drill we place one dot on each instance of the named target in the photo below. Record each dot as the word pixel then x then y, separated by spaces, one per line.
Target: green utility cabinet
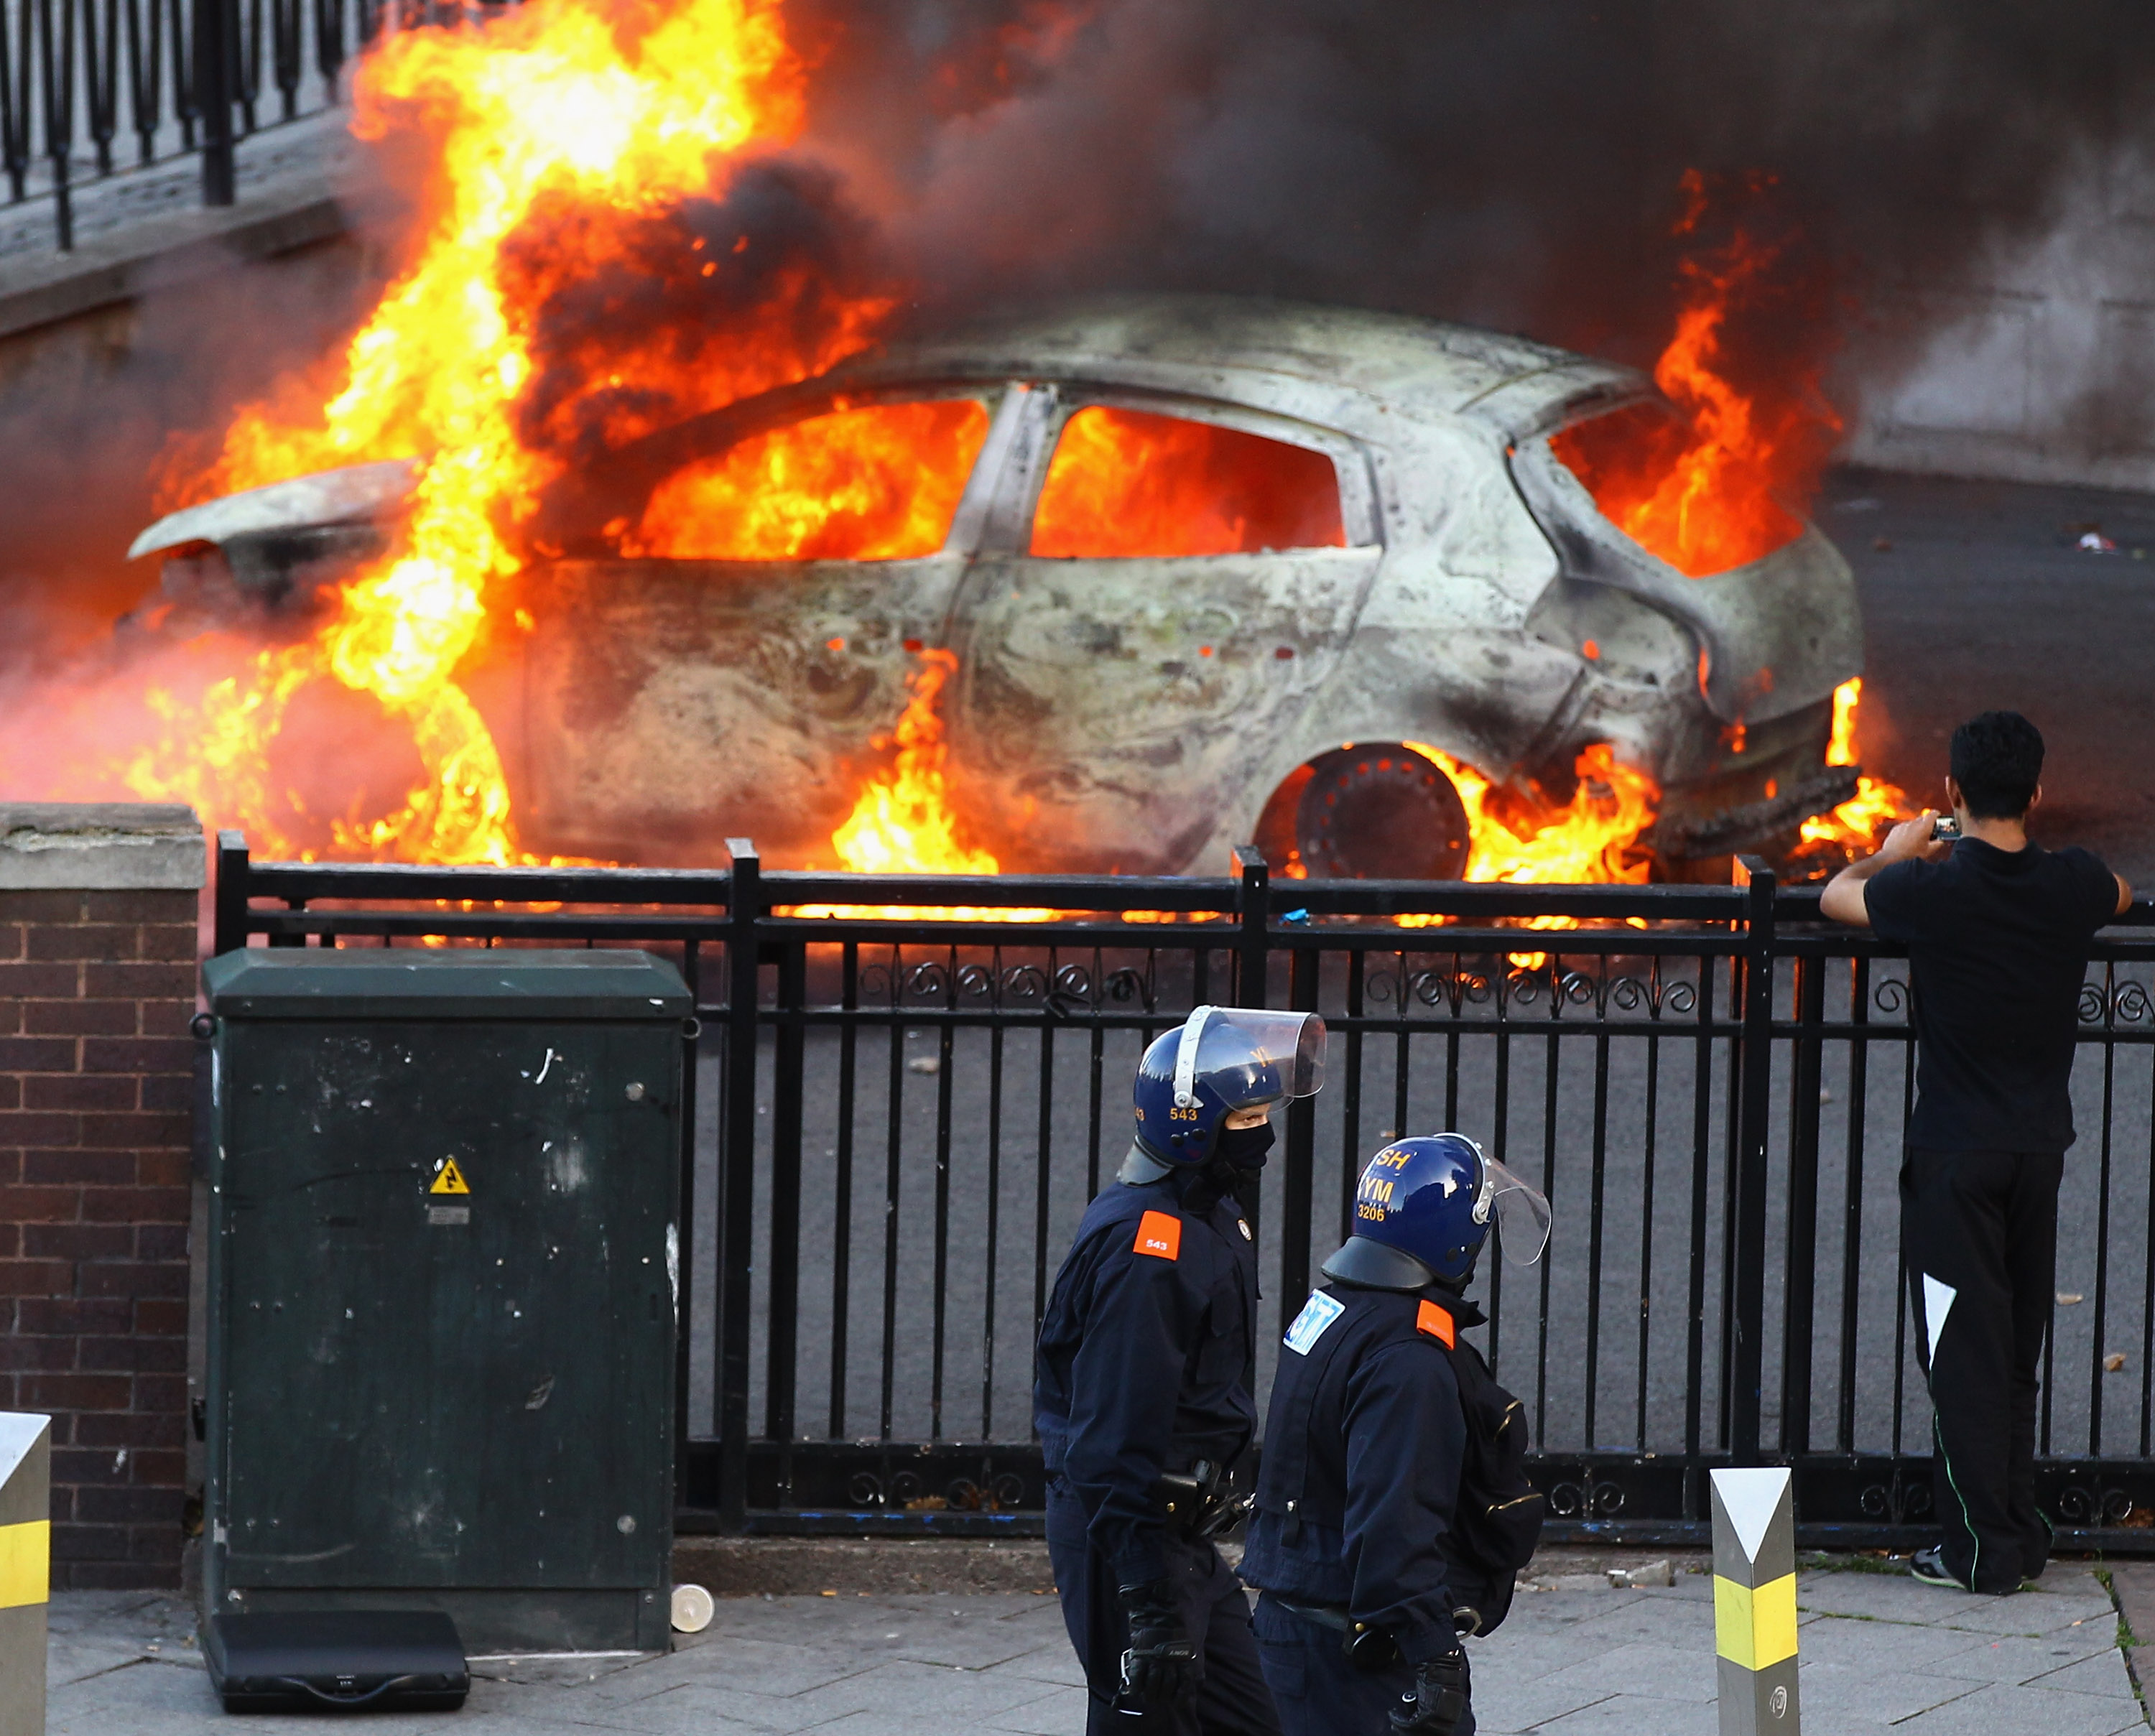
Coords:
pixel 443 1266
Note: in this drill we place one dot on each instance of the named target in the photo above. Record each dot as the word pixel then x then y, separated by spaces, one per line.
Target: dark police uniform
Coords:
pixel 1141 1372
pixel 1364 1447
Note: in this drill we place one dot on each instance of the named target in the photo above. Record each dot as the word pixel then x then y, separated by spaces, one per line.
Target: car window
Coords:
pixel 862 482
pixel 1664 485
pixel 1131 483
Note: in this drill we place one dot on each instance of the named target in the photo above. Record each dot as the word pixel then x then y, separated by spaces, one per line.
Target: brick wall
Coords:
pixel 96 1067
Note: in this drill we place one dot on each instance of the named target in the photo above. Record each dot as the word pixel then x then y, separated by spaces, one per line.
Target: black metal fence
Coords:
pixel 89 89
pixel 903 1101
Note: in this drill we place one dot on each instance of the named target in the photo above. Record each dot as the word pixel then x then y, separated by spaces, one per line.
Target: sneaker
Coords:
pixel 1929 1566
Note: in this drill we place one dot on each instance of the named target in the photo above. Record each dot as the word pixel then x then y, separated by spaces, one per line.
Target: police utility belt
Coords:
pixel 1367 1647
pixel 1198 1503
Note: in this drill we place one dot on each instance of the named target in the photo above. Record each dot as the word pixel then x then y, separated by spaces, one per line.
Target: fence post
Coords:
pixel 212 68
pixel 1755 1063
pixel 1806 1069
pixel 684 1294
pixel 737 1179
pixel 55 55
pixel 230 931
pixel 1297 1206
pixel 787 1105
pixel 1253 910
pixel 1253 907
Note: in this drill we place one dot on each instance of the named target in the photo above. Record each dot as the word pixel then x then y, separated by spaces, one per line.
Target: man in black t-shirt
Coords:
pixel 1997 933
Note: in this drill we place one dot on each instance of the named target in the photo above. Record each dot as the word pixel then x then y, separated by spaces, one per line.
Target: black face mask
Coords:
pixel 1243 1148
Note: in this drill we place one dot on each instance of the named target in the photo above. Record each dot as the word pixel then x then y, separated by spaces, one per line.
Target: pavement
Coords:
pixel 1880 1653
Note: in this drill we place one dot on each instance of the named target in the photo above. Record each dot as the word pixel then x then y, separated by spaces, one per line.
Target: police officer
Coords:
pixel 1393 1508
pixel 1141 1394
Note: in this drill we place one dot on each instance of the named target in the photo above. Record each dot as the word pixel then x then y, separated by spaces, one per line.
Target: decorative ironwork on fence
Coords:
pixel 898 1117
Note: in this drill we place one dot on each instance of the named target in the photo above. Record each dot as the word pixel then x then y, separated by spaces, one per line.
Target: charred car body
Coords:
pixel 1365 541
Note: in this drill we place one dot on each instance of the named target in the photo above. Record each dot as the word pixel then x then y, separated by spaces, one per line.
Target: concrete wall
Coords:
pixel 2035 363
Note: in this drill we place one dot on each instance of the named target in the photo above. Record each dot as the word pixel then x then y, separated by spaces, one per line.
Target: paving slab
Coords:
pixel 1881 1653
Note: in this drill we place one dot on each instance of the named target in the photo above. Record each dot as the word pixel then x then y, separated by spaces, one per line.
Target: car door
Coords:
pixel 1161 585
pixel 729 669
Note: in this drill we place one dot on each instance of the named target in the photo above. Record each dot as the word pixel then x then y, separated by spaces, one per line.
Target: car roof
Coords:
pixel 1352 369
pixel 1270 353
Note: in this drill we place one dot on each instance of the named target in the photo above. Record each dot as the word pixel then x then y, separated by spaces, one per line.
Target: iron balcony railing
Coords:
pixel 897 1118
pixel 91 89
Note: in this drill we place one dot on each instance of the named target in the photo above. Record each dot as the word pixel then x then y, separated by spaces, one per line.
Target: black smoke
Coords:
pixel 1515 165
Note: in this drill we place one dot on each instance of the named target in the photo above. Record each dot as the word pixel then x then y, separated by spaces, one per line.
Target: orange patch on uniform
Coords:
pixel 1159 1234
pixel 1431 1319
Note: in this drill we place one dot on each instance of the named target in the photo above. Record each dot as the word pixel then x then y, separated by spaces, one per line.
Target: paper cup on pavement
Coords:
pixel 692 1609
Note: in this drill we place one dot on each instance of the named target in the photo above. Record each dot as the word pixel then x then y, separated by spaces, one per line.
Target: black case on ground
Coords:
pixel 384 1660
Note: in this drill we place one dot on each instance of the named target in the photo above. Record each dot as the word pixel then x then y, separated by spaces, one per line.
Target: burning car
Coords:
pixel 1212 569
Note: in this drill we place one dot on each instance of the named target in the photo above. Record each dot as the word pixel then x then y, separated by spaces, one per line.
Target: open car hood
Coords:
pixel 351 494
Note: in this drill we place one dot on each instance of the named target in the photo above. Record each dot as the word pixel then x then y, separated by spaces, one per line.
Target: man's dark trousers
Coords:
pixel 1979 1230
pixel 1319 1691
pixel 1232 1701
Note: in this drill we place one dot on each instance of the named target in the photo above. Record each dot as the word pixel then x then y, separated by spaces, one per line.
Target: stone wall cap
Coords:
pixel 100 847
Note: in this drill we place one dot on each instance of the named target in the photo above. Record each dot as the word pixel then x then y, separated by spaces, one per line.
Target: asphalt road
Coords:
pixel 1976 597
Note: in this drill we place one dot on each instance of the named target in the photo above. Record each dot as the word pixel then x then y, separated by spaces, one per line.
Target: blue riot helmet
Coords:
pixel 1424 1208
pixel 1221 1059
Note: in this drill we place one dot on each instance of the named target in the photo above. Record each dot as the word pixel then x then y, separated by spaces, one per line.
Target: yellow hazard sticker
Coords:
pixel 451 1180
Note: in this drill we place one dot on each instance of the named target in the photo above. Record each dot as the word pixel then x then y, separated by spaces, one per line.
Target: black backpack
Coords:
pixel 1499 1517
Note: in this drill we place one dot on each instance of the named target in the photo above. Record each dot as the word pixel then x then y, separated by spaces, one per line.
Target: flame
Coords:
pixel 1592 838
pixel 542 123
pixel 903 822
pixel 1522 838
pixel 1130 483
pixel 1713 489
pixel 1856 824
pixel 879 482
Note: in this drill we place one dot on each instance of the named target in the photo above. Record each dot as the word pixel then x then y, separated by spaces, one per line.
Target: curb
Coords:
pixel 2133 1590
pixel 161 251
pixel 830 1567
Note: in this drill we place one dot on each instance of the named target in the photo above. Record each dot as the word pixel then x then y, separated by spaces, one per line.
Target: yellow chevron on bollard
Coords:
pixel 1754 1626
pixel 26 1563
pixel 1754 1602
pixel 26 1535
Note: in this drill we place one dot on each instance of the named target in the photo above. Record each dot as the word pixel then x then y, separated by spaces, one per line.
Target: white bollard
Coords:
pixel 26 1549
pixel 1754 1601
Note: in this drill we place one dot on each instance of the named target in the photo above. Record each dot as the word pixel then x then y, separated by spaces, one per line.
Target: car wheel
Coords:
pixel 1381 812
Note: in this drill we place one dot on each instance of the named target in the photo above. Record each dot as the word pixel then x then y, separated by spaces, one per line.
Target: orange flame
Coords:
pixel 1522 837
pixel 1130 482
pixel 563 104
pixel 1592 838
pixel 1722 486
pixel 1857 823
pixel 903 822
pixel 879 482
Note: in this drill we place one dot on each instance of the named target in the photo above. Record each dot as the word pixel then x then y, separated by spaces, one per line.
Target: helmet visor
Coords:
pixel 1249 1056
pixel 1521 1211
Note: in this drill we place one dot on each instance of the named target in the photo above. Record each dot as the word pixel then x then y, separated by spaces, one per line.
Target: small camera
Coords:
pixel 1945 829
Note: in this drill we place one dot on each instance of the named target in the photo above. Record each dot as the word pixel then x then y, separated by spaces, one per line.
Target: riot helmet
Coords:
pixel 1218 1061
pixel 1424 1208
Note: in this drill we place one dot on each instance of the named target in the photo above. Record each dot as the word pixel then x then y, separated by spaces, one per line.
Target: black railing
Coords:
pixel 899 1116
pixel 89 89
